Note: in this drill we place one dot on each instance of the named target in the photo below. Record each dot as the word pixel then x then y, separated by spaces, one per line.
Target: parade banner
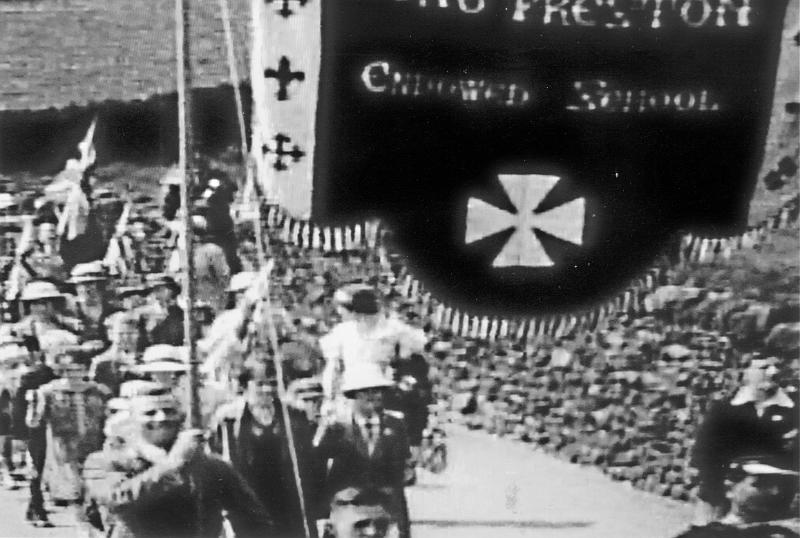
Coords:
pixel 527 155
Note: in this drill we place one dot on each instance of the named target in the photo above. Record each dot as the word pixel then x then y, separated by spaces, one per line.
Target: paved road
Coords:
pixel 493 488
pixel 501 489
pixel 13 524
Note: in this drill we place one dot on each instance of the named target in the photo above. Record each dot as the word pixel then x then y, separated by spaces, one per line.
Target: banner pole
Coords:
pixel 186 166
pixel 272 334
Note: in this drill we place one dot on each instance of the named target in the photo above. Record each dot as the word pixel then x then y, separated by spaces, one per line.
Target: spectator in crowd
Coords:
pixel 760 419
pixel 760 491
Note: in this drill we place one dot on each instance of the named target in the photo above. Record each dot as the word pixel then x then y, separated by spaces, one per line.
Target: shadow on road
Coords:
pixel 536 524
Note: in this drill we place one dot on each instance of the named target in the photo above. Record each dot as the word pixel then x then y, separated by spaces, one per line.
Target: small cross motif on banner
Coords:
pixel 284 75
pixel 280 151
pixel 284 10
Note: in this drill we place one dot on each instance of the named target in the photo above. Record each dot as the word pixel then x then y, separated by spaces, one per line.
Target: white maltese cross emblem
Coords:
pixel 523 248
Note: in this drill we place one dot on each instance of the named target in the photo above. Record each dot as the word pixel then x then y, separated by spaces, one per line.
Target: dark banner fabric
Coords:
pixel 535 155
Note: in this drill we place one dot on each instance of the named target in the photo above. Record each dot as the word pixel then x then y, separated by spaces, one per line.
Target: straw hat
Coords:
pixel 762 465
pixel 155 280
pixel 366 377
pixel 40 290
pixel 138 387
pixel 88 272
pixel 307 388
pixel 164 358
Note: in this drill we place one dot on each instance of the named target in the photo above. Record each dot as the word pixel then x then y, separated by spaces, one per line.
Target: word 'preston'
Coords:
pixel 611 14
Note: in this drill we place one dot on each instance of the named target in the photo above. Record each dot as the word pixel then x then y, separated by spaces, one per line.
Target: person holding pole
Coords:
pixel 250 432
pixel 165 484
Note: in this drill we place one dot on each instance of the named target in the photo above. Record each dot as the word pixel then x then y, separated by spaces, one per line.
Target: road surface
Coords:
pixel 493 488
pixel 497 488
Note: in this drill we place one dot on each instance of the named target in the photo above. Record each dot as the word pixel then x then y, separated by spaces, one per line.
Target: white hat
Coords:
pixel 88 272
pixel 38 290
pixel 242 281
pixel 765 468
pixel 442 346
pixel 164 358
pixel 137 387
pixel 365 377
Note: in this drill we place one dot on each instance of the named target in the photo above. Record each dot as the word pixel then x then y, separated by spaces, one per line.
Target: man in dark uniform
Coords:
pixel 759 419
pixel 169 330
pixel 368 445
pixel 37 375
pixel 760 490
pixel 250 432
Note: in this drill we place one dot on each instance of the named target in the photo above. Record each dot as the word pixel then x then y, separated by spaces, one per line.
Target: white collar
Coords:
pixel 747 395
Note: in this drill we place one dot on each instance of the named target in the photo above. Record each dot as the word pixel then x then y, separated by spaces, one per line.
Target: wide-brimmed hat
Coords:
pixel 88 272
pixel 138 387
pixel 442 346
pixel 164 358
pixel 366 377
pixel 156 280
pixel 40 290
pixel 307 388
pixel 763 464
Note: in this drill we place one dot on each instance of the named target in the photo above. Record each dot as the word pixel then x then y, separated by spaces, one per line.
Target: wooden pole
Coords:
pixel 277 358
pixel 234 75
pixel 186 166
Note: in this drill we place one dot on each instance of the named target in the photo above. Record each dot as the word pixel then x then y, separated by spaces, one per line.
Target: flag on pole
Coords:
pixel 86 147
